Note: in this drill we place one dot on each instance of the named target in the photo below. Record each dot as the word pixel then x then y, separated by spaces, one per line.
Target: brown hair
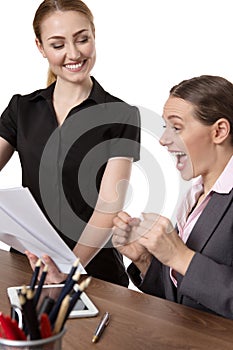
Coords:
pixel 47 7
pixel 212 97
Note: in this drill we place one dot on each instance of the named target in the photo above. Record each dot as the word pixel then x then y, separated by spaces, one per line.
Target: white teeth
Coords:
pixel 178 153
pixel 74 66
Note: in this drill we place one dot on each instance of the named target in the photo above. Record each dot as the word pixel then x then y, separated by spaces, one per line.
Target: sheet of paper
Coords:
pixel 24 227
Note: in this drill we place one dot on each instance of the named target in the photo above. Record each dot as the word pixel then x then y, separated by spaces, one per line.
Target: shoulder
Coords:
pixel 32 96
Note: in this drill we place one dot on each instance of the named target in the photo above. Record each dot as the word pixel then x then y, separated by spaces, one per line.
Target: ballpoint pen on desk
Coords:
pixel 101 326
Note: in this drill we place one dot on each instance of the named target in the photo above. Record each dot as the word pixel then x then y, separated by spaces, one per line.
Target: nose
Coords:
pixel 165 139
pixel 73 52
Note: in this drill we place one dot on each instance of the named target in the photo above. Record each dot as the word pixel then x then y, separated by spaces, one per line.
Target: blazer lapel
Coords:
pixel 208 220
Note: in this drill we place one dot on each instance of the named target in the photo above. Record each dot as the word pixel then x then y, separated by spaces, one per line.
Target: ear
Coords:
pixel 40 47
pixel 221 130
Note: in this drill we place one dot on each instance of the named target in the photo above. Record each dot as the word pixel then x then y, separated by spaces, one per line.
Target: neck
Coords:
pixel 72 92
pixel 219 165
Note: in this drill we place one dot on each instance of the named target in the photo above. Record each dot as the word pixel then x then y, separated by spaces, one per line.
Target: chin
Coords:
pixel 187 175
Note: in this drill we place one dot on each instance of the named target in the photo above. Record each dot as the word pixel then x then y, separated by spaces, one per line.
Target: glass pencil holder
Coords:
pixel 51 343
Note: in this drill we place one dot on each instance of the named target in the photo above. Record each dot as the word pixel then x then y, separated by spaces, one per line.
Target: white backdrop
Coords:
pixel 143 49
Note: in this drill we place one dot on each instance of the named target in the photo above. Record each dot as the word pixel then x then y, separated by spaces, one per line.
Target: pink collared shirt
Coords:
pixel 186 222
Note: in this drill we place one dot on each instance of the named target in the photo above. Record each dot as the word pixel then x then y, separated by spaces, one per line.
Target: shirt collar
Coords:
pixel 224 183
pixel 97 94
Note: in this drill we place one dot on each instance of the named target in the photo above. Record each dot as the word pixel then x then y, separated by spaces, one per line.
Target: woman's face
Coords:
pixel 187 139
pixel 69 45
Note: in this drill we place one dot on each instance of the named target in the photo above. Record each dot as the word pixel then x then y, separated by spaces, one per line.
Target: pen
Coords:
pixel 101 326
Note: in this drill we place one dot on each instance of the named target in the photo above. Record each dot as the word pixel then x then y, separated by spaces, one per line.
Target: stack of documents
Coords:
pixel 23 226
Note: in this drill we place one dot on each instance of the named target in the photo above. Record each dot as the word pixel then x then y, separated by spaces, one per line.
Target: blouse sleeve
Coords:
pixel 125 133
pixel 8 122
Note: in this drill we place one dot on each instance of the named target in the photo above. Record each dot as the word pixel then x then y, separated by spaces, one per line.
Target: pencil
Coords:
pixel 72 271
pixel 61 315
pixel 30 316
pixel 65 290
pixel 35 274
pixel 40 286
pixel 75 297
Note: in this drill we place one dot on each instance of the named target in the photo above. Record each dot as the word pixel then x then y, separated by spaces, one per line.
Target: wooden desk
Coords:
pixel 138 321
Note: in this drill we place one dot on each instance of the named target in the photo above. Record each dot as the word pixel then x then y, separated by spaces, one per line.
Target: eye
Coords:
pixel 83 40
pixel 175 129
pixel 57 46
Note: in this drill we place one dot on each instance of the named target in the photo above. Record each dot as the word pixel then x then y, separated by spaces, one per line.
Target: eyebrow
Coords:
pixel 62 37
pixel 174 116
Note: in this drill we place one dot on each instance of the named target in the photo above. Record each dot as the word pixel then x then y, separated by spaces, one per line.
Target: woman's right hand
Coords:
pixel 125 240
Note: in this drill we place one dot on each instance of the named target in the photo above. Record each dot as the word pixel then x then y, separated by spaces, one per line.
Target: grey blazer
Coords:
pixel 208 282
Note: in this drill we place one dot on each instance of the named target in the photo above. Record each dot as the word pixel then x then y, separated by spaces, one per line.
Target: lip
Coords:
pixel 75 67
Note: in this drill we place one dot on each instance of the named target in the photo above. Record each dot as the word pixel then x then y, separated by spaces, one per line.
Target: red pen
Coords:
pixel 10 329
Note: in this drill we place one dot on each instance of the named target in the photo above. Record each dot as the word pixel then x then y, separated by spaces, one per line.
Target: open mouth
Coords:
pixel 74 67
pixel 181 159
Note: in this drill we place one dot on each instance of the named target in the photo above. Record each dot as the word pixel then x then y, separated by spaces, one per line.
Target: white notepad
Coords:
pixel 23 226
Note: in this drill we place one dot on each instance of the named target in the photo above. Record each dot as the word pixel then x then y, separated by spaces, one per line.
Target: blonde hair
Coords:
pixel 47 7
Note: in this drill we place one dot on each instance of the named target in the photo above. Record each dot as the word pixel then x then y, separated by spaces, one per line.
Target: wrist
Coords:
pixel 143 262
pixel 181 264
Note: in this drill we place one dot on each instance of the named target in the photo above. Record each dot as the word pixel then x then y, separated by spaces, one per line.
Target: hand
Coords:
pixel 54 275
pixel 126 240
pixel 161 239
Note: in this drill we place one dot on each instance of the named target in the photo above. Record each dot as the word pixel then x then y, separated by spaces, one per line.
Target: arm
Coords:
pixel 210 284
pixel 98 230
pixel 6 151
pixel 111 198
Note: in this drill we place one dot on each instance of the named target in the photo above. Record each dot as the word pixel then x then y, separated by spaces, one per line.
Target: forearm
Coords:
pixel 94 237
pixel 110 201
pixel 6 151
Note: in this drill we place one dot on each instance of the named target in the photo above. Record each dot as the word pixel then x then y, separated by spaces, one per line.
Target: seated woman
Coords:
pixel 192 263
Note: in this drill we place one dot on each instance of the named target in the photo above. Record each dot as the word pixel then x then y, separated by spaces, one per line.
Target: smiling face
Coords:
pixel 189 140
pixel 68 43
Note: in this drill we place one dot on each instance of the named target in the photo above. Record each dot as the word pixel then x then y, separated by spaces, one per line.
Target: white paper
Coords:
pixel 23 226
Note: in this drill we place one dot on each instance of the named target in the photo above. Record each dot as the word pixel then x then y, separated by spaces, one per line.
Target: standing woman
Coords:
pixel 65 36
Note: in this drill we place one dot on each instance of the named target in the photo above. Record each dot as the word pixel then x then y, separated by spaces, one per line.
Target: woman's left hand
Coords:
pixel 161 239
pixel 54 275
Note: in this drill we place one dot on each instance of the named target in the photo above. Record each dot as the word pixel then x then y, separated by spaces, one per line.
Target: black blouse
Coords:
pixel 63 165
